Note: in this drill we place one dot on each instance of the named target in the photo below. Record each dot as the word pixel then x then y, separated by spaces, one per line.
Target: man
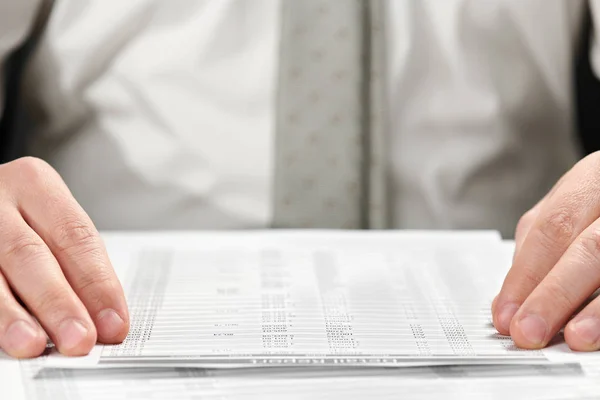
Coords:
pixel 269 113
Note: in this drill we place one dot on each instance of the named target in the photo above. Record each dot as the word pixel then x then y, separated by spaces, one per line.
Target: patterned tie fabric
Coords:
pixel 377 203
pixel 328 163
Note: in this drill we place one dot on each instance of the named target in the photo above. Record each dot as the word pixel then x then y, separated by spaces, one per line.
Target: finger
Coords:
pixel 561 218
pixel 76 244
pixel 521 231
pixel 574 278
pixel 35 276
pixel 582 333
pixel 20 335
pixel 524 225
pixel 527 220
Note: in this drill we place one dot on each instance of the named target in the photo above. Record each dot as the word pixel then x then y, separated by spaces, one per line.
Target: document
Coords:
pixel 348 306
pixel 263 299
pixel 455 382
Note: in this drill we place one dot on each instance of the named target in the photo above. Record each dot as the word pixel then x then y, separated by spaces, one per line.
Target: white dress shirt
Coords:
pixel 160 114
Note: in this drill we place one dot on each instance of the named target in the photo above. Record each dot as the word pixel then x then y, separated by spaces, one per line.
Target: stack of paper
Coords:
pixel 299 314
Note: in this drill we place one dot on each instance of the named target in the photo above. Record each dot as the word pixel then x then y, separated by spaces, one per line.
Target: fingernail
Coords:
pixel 109 323
pixel 70 334
pixel 506 315
pixel 587 329
pixel 533 328
pixel 20 335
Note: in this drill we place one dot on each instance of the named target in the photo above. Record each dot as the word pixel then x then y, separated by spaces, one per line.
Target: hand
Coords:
pixel 556 266
pixel 53 266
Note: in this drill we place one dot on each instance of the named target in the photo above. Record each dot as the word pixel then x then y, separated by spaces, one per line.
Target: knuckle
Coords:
pixel 589 162
pixel 95 286
pixel 31 169
pixel 96 279
pixel 525 221
pixel 75 235
pixel 50 304
pixel 24 247
pixel 590 245
pixel 558 227
pixel 594 157
pixel 530 280
pixel 560 296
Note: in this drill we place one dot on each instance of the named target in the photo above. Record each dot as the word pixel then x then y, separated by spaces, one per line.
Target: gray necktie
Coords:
pixel 323 147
